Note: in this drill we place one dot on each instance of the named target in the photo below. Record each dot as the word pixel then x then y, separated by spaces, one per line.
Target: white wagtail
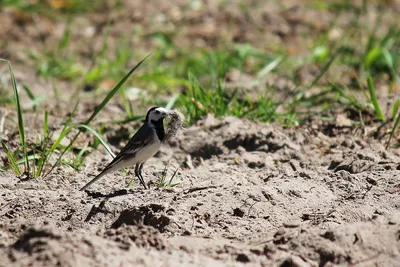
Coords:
pixel 142 146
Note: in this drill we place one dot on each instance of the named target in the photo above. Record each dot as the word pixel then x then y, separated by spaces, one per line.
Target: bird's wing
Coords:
pixel 141 138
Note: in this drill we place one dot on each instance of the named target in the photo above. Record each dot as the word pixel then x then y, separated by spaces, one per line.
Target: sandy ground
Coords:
pixel 249 195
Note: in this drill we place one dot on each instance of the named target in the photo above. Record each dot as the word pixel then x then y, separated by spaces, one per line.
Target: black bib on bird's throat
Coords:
pixel 159 126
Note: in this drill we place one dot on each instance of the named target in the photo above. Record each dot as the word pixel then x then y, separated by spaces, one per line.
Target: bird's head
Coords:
pixel 156 114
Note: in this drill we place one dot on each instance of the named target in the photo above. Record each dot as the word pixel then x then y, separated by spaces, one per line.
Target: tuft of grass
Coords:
pixel 197 102
pixel 371 99
pixel 47 152
pixel 78 161
pixel 21 127
pixel 41 158
pixel 163 181
pixel 374 100
pixel 42 151
pixel 11 158
pixel 44 154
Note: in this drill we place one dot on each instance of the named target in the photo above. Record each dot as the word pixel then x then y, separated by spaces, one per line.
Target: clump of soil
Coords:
pixel 142 236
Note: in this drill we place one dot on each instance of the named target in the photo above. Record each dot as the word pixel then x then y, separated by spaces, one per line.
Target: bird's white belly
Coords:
pixel 144 154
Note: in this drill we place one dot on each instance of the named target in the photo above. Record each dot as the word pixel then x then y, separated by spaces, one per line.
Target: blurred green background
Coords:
pixel 264 60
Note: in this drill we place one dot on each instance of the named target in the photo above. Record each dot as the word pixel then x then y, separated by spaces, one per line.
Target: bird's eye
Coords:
pixel 157 112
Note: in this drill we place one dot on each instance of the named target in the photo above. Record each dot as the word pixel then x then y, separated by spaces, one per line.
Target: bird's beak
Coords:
pixel 165 113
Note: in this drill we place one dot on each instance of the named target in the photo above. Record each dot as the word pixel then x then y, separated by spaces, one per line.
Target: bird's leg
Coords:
pixel 141 176
pixel 138 173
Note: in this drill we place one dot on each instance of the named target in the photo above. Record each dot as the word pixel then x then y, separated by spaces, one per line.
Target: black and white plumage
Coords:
pixel 142 146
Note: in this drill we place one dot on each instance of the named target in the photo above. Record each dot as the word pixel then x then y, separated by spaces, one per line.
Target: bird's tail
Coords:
pixel 116 164
pixel 94 180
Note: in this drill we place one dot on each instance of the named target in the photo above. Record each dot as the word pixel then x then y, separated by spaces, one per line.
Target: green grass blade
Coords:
pixel 389 61
pixel 395 108
pixel 172 101
pixel 36 102
pixel 30 158
pixel 164 80
pixel 393 130
pixel 125 102
pixel 374 99
pixel 318 77
pixel 21 127
pixel 64 131
pixel 58 140
pixel 98 136
pixel 43 154
pixel 163 177
pixel 323 71
pixel 352 100
pixel 11 159
pixel 78 162
pixel 269 67
pixel 113 91
pixel 29 92
pixel 80 154
pixel 104 46
pixel 361 87
pixel 173 176
pixel 65 40
pixel 45 124
pixel 66 163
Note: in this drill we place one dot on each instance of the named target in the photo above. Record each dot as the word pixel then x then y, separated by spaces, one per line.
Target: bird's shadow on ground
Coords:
pixel 105 197
pixel 117 193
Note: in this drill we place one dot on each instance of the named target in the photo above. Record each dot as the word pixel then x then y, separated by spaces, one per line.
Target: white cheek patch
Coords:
pixel 155 116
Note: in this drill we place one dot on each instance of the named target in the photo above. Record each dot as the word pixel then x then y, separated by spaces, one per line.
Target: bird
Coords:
pixel 144 144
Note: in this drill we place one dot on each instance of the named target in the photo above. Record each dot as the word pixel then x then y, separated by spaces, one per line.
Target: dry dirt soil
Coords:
pixel 249 194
